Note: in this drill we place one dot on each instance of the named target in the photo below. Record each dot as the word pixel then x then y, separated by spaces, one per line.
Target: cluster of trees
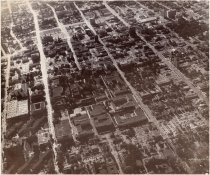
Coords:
pixel 189 28
pixel 133 155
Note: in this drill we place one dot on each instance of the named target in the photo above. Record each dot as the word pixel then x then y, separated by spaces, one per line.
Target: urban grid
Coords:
pixel 104 87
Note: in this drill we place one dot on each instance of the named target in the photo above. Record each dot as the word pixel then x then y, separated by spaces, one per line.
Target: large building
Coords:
pixel 130 116
pixel 17 110
pixel 102 119
pixel 126 112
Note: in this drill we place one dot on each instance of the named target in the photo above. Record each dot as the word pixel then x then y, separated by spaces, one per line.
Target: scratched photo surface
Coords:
pixel 104 87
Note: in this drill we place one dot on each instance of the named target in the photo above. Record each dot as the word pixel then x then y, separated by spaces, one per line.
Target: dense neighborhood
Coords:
pixel 105 87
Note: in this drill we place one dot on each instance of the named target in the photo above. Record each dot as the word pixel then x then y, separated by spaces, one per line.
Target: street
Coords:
pixel 12 24
pixel 137 97
pixel 114 152
pixel 45 82
pixel 65 32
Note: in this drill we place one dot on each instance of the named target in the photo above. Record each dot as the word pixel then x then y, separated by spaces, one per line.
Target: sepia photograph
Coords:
pixel 104 87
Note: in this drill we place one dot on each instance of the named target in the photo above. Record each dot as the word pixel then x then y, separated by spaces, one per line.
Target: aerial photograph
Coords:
pixel 104 87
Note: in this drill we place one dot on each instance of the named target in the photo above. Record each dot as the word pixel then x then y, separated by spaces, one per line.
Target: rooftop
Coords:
pixel 130 116
pixel 43 136
pixel 78 111
pixel 148 19
pixel 98 109
pixel 123 101
pixel 17 108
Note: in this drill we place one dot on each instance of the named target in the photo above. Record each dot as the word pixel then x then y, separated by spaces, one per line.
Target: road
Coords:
pixel 6 98
pixel 4 113
pixel 3 51
pixel 115 14
pixel 12 24
pixel 191 12
pixel 45 82
pixel 65 32
pixel 7 76
pixel 110 92
pixel 162 18
pixel 174 70
pixel 114 152
pixel 85 20
pixel 67 25
pixel 161 4
pixel 177 73
pixel 92 123
pixel 165 20
pixel 65 115
pixel 135 93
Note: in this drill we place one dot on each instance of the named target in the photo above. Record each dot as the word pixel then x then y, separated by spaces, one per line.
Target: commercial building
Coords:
pixel 102 119
pixel 129 116
pixel 17 110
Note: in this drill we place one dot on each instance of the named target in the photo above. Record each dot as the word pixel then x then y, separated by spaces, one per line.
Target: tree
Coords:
pixel 133 154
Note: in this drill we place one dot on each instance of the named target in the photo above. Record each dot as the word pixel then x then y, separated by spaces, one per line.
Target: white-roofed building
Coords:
pixel 17 109
pixel 43 136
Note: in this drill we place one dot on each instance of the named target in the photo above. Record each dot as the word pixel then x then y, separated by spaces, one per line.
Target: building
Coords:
pixel 78 111
pixel 38 109
pixel 164 13
pixel 43 137
pixel 83 125
pixel 103 123
pixel 122 102
pixel 129 116
pixel 116 84
pixel 126 112
pixel 17 110
pixel 163 80
pixel 102 119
